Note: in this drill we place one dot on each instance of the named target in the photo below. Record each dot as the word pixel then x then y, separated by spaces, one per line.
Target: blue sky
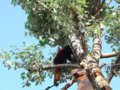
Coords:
pixel 12 20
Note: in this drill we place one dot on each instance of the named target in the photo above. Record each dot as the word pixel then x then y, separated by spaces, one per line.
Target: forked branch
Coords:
pixel 114 68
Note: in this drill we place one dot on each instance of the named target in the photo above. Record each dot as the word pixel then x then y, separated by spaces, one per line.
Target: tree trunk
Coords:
pixel 82 79
pixel 90 62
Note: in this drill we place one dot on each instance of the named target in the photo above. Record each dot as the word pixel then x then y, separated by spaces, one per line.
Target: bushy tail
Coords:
pixel 57 74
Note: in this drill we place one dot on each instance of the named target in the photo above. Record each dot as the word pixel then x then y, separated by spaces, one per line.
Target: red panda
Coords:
pixel 61 57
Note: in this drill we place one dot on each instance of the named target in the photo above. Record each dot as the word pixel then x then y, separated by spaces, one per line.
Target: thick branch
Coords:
pixel 76 46
pixel 40 67
pixel 108 55
pixel 97 48
pixel 99 78
pixel 61 66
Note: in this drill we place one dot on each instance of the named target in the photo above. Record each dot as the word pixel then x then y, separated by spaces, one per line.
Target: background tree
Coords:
pixel 52 21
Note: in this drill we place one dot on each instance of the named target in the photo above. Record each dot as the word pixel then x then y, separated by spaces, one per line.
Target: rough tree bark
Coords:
pixel 99 78
pixel 82 79
pixel 91 61
pixel 76 46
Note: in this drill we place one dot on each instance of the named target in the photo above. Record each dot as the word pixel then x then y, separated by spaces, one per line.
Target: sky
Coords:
pixel 12 20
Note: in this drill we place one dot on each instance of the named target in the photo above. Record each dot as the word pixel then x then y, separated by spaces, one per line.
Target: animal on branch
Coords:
pixel 61 57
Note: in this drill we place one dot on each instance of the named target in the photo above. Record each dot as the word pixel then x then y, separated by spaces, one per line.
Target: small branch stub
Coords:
pixel 108 55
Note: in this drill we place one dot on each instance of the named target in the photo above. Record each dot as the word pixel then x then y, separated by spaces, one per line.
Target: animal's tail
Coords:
pixel 57 74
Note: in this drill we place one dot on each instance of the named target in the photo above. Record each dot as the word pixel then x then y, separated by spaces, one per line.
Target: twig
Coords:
pixel 102 65
pixel 68 84
pixel 108 55
pixel 103 6
pixel 39 2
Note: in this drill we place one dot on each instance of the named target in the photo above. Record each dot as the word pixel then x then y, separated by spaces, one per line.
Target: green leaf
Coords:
pixel 23 76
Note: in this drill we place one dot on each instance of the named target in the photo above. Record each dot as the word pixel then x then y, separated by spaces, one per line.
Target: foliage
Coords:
pixel 51 20
pixel 23 59
pixel 113 36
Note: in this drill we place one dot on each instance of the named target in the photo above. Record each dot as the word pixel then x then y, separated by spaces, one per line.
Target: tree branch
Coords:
pixel 108 55
pixel 97 47
pixel 76 47
pixel 61 66
pixel 39 2
pixel 102 65
pixel 68 84
pixel 114 68
pixel 40 67
pixel 93 64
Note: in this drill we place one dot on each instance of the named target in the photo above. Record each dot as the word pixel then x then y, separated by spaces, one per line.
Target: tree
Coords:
pixel 63 22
